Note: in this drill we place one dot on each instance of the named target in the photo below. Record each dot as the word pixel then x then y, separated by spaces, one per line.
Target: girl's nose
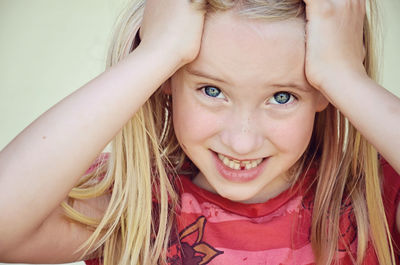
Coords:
pixel 242 136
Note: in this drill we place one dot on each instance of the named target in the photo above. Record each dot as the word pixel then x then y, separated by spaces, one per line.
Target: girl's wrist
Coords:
pixel 340 88
pixel 340 78
pixel 170 53
pixel 165 60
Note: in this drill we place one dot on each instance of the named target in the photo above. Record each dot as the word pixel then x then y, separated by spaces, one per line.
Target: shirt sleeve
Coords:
pixel 93 262
pixel 391 199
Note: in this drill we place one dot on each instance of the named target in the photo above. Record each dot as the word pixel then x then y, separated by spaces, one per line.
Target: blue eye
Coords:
pixel 281 98
pixel 213 92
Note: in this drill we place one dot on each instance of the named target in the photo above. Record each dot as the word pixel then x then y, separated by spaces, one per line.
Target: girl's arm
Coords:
pixel 41 165
pixel 334 58
pixel 372 109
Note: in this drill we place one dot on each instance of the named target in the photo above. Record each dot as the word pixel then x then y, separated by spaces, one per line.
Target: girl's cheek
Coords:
pixel 291 134
pixel 192 121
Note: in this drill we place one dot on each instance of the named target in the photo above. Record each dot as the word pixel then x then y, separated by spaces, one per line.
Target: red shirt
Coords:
pixel 215 230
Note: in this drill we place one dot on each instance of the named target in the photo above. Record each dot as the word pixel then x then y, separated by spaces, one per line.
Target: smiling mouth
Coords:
pixel 240 171
pixel 239 165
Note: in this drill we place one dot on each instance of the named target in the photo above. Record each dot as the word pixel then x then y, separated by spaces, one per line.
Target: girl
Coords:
pixel 247 134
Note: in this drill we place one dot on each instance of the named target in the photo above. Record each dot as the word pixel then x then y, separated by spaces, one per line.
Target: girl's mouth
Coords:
pixel 239 170
pixel 239 165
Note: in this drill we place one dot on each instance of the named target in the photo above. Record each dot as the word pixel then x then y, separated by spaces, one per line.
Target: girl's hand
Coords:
pixel 334 65
pixel 174 26
pixel 334 41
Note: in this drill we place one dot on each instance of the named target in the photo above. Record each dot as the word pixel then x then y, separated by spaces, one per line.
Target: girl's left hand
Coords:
pixel 334 65
pixel 334 40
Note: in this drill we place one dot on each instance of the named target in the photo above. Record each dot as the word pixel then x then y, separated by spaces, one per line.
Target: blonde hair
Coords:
pixel 145 155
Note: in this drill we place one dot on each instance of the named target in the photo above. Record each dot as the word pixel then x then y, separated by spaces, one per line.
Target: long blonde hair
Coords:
pixel 145 154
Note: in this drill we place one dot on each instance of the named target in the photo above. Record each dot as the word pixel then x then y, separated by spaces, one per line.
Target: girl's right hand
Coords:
pixel 174 26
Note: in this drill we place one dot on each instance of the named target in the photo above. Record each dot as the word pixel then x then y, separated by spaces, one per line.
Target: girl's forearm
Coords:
pixel 372 109
pixel 41 165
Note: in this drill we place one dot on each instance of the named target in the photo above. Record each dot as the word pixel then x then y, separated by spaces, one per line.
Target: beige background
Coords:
pixel 49 48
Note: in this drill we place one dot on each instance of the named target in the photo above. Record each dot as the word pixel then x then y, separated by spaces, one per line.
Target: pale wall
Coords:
pixel 48 48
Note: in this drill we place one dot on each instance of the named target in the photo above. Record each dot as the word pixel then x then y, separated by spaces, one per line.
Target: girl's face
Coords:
pixel 243 111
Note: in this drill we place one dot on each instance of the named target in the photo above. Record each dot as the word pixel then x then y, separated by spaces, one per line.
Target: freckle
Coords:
pixel 44 137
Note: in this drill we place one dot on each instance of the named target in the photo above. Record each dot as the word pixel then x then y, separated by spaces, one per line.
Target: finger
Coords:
pixel 320 8
pixel 199 4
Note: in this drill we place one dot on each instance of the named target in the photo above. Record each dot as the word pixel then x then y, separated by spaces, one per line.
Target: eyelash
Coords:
pixel 290 100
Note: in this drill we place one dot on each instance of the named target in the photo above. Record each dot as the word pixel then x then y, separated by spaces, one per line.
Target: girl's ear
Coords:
pixel 166 87
pixel 321 103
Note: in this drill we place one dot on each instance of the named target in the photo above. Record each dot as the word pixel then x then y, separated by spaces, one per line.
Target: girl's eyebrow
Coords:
pixel 303 88
pixel 205 75
pixel 282 85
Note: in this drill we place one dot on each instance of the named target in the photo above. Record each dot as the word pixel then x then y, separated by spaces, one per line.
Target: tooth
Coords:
pixel 232 164
pixel 236 164
pixel 226 161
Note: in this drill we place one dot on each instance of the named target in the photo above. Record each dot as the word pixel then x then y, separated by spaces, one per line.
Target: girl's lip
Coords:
pixel 242 175
pixel 233 158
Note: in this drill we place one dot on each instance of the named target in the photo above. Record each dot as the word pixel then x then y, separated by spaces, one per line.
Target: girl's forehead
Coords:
pixel 233 22
pixel 242 49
